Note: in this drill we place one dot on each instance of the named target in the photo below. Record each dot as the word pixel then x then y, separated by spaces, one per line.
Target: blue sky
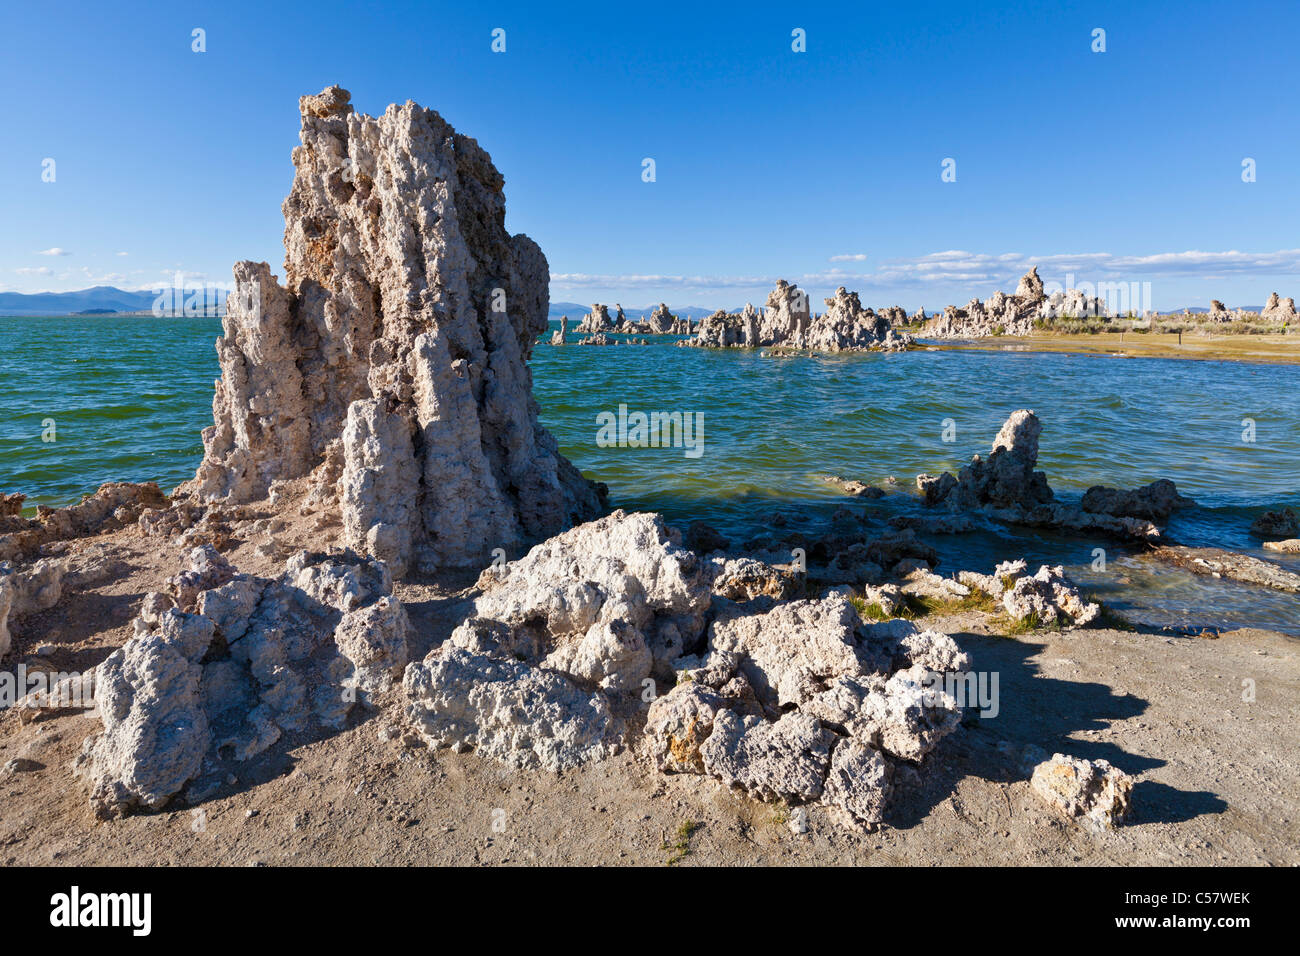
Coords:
pixel 822 167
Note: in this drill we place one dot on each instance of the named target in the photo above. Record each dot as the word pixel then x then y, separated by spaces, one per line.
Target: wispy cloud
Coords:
pixel 55 251
pixel 981 273
pixel 957 266
pixel 35 271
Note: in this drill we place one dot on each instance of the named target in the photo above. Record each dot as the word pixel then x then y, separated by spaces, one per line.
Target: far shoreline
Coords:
pixel 1261 349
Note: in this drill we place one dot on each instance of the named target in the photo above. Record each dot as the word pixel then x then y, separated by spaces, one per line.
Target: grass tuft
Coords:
pixel 680 849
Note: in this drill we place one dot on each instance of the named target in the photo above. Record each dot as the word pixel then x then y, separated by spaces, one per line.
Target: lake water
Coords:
pixel 128 397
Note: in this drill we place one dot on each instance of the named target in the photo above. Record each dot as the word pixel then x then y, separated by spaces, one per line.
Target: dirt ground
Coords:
pixel 1217 776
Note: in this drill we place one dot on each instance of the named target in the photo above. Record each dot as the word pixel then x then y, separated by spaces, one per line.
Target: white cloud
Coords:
pixel 124 253
pixel 957 266
pixel 55 251
pixel 37 271
pixel 974 273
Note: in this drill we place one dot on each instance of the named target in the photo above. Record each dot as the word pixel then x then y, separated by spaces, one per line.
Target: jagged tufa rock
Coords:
pixel 805 701
pixel 1278 309
pixel 1006 487
pixel 404 293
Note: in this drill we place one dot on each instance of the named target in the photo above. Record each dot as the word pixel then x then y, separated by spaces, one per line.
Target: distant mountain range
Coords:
pixel 99 299
pixel 106 299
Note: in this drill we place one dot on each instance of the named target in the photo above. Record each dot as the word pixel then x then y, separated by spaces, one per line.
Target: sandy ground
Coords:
pixel 1277 349
pixel 1217 776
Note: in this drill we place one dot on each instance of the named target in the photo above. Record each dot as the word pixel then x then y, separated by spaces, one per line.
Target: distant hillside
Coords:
pixel 1205 308
pixel 100 299
pixel 105 300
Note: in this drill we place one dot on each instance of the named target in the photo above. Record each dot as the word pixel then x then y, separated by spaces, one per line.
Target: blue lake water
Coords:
pixel 128 397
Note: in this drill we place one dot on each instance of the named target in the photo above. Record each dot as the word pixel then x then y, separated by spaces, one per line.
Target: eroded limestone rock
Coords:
pixel 1278 309
pixel 114 505
pixel 805 701
pixel 785 759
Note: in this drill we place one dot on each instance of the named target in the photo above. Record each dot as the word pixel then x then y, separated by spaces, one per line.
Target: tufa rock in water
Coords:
pixel 404 328
pixel 1006 478
pixel 1156 501
pixel 1283 523
pixel 1006 488
pixel 787 323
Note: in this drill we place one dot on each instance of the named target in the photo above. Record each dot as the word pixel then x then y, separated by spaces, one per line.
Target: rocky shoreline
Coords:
pixel 786 323
pixel 375 447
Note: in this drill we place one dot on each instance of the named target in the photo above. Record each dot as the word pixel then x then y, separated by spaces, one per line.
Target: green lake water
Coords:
pixel 128 397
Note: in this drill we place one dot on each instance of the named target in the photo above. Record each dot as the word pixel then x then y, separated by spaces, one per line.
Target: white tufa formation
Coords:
pixel 404 328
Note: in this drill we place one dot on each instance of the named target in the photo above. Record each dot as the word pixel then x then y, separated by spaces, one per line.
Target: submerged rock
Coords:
pixel 403 292
pixel 1283 523
pixel 1156 501
pixel 1219 563
pixel 1289 546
